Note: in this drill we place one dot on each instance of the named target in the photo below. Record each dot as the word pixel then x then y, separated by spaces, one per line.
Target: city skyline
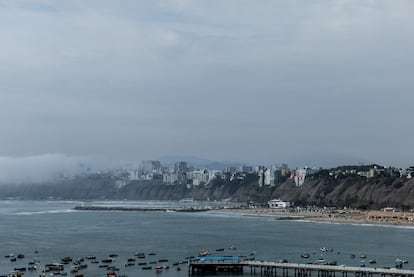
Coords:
pixel 322 83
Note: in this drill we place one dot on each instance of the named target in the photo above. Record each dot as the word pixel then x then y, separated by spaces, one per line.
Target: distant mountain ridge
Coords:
pixel 198 162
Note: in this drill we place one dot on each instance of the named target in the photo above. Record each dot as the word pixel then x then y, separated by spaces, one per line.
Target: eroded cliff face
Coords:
pixel 354 192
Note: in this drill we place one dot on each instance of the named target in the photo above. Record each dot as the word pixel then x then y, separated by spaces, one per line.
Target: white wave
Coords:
pixel 45 212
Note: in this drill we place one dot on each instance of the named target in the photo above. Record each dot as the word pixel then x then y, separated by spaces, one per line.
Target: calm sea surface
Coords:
pixel 55 231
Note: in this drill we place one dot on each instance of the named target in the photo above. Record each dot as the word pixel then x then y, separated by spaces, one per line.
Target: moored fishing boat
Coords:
pixel 204 253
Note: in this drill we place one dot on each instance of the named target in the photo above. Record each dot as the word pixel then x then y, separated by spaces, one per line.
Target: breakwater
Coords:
pixel 139 209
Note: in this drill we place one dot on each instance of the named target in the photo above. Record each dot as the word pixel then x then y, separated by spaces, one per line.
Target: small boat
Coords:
pixel 204 253
pixel 325 249
pixel 398 260
pixel 54 267
pixel 305 256
pixel 332 263
pixel 146 268
pixel 152 254
pixel 111 274
pixel 91 257
pixel 362 265
pixel 283 261
pixel 163 261
pixel 321 261
pixel 372 261
pixel 13 259
pixel 139 255
pixel 107 261
pixel 159 267
pixel 66 259
pixel 178 268
pixel 95 262
pixel 142 264
pixel 153 262
pixel 232 247
pixel 219 249
pixel 20 256
pixel 352 256
pixel 32 268
pixel 363 256
pixel 113 255
pixel 131 260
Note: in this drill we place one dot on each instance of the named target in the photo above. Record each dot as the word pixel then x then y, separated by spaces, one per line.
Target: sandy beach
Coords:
pixel 333 215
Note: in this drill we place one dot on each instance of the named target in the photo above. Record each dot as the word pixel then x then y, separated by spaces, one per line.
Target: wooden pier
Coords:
pixel 275 269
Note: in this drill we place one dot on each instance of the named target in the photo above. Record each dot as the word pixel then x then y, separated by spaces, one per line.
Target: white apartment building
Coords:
pixel 279 204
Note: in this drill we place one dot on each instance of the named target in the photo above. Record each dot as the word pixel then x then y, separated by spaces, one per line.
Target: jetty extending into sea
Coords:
pixel 139 209
pixel 275 269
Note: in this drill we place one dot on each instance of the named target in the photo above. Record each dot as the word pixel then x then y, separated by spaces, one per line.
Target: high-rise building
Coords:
pixel 180 167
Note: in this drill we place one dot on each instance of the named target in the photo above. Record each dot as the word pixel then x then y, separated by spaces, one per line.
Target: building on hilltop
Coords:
pixel 272 176
pixel 181 167
pixel 246 169
pixel 150 166
pixel 170 178
pixel 299 175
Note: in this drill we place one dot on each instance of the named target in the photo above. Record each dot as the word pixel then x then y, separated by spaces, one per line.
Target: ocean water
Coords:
pixel 55 230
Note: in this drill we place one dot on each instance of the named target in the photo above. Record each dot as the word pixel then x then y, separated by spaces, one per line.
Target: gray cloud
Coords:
pixel 236 80
pixel 49 167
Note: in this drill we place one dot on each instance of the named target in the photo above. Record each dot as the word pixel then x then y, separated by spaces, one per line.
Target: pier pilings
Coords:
pixel 274 269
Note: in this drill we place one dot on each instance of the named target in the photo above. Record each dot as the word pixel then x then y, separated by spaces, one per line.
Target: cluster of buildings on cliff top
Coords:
pixel 183 173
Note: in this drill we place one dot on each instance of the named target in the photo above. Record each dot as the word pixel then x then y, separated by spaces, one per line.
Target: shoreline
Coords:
pixel 342 216
pixel 332 216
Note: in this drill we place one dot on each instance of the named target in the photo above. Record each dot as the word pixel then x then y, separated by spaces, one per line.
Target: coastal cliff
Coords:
pixel 356 192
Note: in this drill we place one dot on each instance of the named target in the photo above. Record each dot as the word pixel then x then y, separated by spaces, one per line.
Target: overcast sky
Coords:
pixel 306 82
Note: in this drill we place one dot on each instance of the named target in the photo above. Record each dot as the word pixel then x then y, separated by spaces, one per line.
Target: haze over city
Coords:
pixel 317 83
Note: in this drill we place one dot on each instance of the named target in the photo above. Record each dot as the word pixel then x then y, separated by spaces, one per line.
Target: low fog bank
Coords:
pixel 50 167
